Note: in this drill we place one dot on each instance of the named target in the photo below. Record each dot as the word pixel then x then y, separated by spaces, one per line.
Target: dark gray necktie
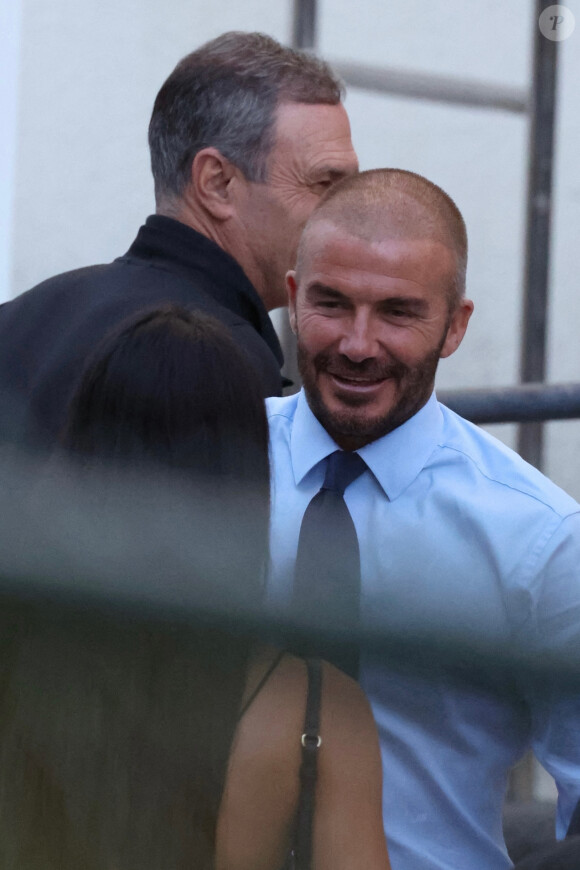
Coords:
pixel 327 573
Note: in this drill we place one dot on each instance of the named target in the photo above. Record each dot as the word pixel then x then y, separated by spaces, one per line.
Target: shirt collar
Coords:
pixel 395 459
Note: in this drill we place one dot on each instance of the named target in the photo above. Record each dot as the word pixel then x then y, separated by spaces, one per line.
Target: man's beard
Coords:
pixel 346 427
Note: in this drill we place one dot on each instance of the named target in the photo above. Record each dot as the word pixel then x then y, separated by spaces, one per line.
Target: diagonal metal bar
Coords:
pixel 426 86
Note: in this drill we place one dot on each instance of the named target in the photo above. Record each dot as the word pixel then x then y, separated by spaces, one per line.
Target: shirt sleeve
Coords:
pixel 553 684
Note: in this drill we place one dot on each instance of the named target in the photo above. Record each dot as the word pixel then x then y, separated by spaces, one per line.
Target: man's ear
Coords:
pixel 212 177
pixel 457 327
pixel 292 288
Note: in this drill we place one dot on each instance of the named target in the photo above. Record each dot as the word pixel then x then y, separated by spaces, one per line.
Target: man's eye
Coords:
pixel 330 304
pixel 323 185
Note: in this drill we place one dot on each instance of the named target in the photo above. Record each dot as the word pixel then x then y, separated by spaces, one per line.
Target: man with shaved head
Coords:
pixel 454 535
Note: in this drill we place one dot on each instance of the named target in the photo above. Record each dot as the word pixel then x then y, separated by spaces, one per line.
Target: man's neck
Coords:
pixel 186 213
pixel 180 211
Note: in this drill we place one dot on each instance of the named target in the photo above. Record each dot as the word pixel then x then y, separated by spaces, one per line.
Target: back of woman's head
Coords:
pixel 170 386
pixel 173 407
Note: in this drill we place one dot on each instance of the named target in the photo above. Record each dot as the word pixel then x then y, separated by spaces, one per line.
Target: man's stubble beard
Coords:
pixel 346 427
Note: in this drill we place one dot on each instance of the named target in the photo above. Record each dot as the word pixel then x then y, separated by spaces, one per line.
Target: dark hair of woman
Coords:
pixel 171 387
pixel 116 732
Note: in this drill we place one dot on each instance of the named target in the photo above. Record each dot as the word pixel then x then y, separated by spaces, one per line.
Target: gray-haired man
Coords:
pixel 245 136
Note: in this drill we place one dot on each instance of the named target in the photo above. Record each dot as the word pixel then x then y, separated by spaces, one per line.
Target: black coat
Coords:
pixel 47 333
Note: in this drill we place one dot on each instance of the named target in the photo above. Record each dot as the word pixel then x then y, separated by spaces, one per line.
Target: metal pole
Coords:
pixel 521 404
pixel 539 209
pixel 304 26
pixel 537 254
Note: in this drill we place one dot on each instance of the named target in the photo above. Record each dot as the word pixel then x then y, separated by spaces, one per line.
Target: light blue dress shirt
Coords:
pixel 458 533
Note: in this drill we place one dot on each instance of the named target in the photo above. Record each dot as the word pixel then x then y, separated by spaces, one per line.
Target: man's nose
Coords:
pixel 359 341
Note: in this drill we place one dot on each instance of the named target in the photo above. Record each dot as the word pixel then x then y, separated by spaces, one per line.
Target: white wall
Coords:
pixel 9 57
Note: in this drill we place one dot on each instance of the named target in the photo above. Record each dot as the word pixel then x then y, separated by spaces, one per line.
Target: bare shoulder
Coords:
pixel 262 786
pixel 279 710
pixel 275 716
pixel 345 707
pixel 348 824
pixel 350 740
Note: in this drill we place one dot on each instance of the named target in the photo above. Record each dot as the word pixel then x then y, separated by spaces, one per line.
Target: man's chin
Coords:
pixel 351 429
pixel 344 401
pixel 354 426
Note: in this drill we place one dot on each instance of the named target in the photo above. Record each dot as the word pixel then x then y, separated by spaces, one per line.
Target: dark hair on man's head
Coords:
pixel 225 95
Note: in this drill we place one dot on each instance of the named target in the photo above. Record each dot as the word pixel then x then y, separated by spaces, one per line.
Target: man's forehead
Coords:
pixel 324 238
pixel 313 126
pixel 333 257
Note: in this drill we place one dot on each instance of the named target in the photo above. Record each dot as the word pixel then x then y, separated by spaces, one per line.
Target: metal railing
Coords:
pixel 528 403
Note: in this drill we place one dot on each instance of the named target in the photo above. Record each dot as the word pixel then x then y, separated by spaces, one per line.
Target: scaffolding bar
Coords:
pixel 426 86
pixel 539 209
pixel 529 402
pixel 304 24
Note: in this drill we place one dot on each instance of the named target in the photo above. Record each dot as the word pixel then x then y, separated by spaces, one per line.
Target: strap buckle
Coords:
pixel 311 741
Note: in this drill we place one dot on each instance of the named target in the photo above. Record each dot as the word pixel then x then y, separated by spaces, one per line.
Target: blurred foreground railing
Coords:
pixel 173 553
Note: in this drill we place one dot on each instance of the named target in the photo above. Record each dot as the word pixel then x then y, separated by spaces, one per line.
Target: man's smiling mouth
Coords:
pixel 359 383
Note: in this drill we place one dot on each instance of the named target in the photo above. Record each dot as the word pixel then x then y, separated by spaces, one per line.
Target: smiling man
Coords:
pixel 245 137
pixel 373 320
pixel 445 529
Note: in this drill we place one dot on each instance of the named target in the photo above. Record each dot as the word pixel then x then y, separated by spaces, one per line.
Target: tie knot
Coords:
pixel 342 468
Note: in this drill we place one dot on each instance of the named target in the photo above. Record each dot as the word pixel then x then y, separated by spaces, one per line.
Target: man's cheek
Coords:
pixel 317 332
